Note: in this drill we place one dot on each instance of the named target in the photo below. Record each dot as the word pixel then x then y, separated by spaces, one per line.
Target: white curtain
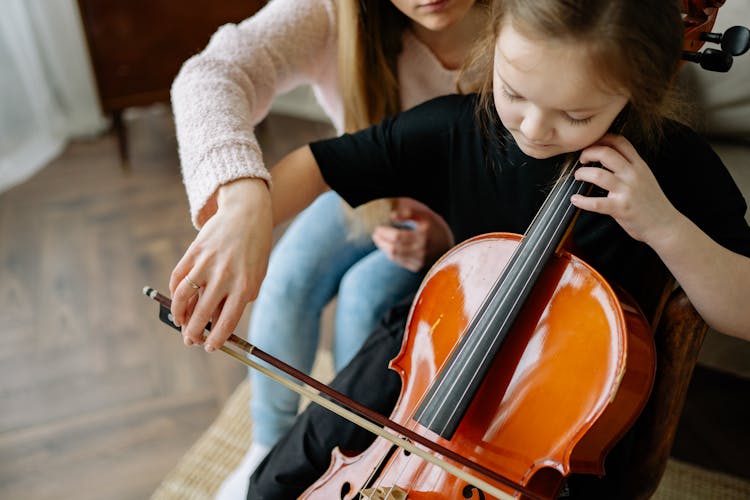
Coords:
pixel 47 94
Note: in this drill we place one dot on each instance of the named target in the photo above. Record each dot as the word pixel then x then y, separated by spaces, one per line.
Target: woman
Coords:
pixel 365 60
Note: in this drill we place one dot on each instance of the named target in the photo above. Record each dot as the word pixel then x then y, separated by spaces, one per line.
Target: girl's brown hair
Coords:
pixel 634 45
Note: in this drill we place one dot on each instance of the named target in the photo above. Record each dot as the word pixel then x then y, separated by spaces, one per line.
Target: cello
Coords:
pixel 534 371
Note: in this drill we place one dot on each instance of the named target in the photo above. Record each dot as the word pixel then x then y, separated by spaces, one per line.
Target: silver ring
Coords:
pixel 192 283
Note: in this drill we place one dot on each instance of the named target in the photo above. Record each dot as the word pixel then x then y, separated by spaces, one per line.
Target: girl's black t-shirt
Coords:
pixel 438 154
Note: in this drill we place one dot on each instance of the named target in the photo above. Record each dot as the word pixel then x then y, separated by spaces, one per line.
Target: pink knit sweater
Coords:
pixel 221 93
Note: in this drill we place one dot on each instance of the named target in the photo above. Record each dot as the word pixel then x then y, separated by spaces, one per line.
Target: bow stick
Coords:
pixel 349 409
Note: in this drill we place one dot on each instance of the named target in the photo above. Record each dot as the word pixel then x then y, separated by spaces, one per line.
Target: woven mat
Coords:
pixel 219 450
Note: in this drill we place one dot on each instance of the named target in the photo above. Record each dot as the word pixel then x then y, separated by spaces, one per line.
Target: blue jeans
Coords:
pixel 314 261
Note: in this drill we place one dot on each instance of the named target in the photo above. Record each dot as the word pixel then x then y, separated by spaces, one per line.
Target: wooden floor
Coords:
pixel 98 399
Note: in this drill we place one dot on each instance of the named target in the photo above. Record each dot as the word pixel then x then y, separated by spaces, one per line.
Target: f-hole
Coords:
pixel 469 490
pixel 345 489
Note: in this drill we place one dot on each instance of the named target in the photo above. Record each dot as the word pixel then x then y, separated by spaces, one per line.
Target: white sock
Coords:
pixel 234 486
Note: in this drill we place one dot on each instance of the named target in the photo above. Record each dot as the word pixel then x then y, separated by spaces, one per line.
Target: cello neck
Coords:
pixel 450 395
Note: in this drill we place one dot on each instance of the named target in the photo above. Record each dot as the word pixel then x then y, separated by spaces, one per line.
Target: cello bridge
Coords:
pixel 383 493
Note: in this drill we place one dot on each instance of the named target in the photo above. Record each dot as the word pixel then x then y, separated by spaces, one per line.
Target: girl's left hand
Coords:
pixel 417 247
pixel 635 199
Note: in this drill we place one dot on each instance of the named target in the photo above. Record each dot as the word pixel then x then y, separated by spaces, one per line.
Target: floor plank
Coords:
pixel 98 399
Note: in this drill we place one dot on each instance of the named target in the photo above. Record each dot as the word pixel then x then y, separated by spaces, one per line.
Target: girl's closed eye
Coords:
pixel 578 121
pixel 511 96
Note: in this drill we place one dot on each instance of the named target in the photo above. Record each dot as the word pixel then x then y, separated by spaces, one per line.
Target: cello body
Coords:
pixel 570 379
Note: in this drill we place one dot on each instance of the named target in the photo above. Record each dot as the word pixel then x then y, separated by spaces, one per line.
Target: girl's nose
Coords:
pixel 534 127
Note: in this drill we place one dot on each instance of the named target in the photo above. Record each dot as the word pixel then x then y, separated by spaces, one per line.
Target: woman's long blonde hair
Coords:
pixel 369 41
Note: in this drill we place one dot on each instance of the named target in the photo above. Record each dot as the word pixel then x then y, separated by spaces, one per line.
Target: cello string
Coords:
pixel 490 329
pixel 370 478
pixel 389 465
pixel 516 297
pixel 373 472
pixel 560 192
pixel 543 213
pixel 550 204
pixel 395 481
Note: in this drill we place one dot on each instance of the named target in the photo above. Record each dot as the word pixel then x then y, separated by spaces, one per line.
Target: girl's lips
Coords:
pixel 434 6
pixel 519 137
pixel 536 144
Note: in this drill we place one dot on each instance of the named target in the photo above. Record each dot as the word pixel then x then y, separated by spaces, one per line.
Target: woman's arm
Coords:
pixel 222 92
pixel 228 258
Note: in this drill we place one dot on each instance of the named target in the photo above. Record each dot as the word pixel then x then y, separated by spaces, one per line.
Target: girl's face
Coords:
pixel 435 15
pixel 547 96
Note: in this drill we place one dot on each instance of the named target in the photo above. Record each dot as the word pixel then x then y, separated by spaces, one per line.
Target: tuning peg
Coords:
pixel 710 59
pixel 735 41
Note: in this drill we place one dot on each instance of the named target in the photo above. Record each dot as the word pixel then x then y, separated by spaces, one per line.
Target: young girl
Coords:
pixel 558 75
pixel 365 60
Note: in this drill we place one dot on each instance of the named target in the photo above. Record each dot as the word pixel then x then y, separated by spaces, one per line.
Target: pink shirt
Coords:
pixel 221 93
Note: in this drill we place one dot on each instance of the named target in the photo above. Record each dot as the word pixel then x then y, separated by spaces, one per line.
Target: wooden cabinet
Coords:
pixel 138 46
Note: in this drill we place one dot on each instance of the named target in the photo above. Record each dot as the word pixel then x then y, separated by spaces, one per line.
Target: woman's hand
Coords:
pixel 635 199
pixel 414 248
pixel 227 262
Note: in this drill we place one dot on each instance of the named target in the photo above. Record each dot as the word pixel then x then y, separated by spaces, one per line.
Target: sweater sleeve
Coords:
pixel 221 93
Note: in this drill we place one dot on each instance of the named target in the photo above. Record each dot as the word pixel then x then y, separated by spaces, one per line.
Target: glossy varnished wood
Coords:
pixel 569 380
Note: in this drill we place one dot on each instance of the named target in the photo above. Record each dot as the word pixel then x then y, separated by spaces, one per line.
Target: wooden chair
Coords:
pixel 679 335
